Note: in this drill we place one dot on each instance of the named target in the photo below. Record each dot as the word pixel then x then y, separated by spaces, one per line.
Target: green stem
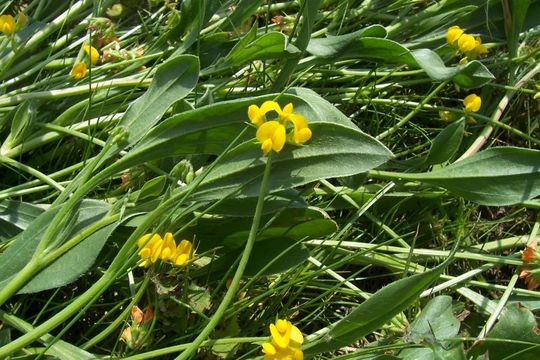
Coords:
pixel 176 348
pixel 30 170
pixel 410 115
pixel 72 91
pixel 118 321
pixel 488 129
pixel 231 292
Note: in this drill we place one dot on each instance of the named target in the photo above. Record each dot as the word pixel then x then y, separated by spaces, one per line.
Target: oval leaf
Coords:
pixel 376 311
pixel 497 176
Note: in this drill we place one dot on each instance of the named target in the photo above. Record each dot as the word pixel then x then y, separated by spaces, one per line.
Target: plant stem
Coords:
pixel 30 170
pixel 410 115
pixel 231 292
pixel 488 129
pixel 72 91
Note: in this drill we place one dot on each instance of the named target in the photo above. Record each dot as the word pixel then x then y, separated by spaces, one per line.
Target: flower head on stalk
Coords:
pixel 136 334
pixel 79 71
pixel 472 103
pixel 471 47
pixel 285 342
pixel 152 247
pixel 286 126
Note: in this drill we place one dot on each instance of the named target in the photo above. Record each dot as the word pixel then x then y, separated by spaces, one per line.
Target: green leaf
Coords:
pixel 173 80
pixel 514 336
pixel 242 11
pixel 338 148
pixel 249 48
pixel 151 188
pixel 376 311
pixel 67 267
pixel 497 176
pixel 274 256
pixel 309 15
pixel 292 223
pixel 518 12
pixel 435 324
pixel 470 75
pixel 19 213
pixel 334 45
pixel 60 349
pixel 446 143
pixel 333 151
pixel 21 125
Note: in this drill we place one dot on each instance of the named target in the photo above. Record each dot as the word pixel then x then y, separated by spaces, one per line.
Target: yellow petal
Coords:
pixel 185 247
pixel 472 103
pixel 453 34
pixel 79 71
pixel 156 250
pixel 298 354
pixel 268 349
pixel 255 115
pixel 92 52
pixel 278 140
pixel 303 135
pixel 466 43
pixel 145 253
pixel 280 340
pixel 143 240
pixel 274 131
pixel 301 132
pixel 7 24
pixel 183 252
pixel 169 247
pixel 282 326
pixel 270 106
pixel 181 259
pixel 296 336
pixel 266 146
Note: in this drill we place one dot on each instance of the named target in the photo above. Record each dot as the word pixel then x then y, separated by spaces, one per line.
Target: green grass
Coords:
pixel 351 233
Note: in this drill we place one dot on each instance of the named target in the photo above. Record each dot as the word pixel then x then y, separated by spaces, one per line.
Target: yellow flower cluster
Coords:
pixel 80 69
pixel 286 127
pixel 467 44
pixel 153 247
pixel 8 25
pixel 285 344
pixel 472 103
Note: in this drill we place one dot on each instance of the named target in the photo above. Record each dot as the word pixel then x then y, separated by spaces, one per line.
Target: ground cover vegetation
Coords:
pixel 248 179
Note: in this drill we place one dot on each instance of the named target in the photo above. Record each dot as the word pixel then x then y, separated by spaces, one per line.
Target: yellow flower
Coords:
pixel 78 71
pixel 92 52
pixel 150 248
pixel 153 247
pixel 301 132
pixel 7 24
pixel 472 103
pixel 257 115
pixel 286 342
pixel 466 43
pixel 168 250
pixel 479 49
pixel 272 136
pixel 453 34
pixel 183 253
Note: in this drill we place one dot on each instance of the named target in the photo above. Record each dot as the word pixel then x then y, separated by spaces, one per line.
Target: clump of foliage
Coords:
pixel 317 179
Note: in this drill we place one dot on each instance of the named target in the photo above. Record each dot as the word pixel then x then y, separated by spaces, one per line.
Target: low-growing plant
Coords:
pixel 278 180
